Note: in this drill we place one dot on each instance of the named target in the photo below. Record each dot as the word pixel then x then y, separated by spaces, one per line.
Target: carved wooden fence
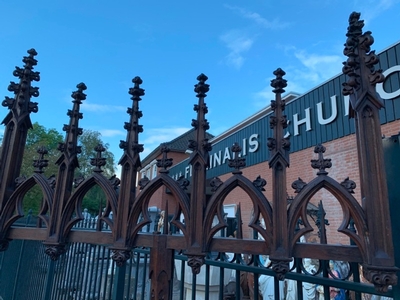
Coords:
pixel 276 224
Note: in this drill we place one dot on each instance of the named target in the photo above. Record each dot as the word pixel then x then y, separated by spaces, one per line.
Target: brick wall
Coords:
pixel 343 155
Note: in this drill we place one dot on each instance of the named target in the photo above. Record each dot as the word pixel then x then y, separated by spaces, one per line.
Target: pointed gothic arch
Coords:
pixel 350 207
pixel 261 208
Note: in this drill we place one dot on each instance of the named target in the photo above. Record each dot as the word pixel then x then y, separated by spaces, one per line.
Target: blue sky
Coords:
pixel 237 44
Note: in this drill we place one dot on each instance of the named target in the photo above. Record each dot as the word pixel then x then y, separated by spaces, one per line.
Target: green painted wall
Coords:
pixel 310 132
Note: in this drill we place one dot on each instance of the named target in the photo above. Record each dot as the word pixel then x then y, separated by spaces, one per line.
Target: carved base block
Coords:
pixel 195 262
pixel 55 251
pixel 380 277
pixel 120 256
pixel 280 267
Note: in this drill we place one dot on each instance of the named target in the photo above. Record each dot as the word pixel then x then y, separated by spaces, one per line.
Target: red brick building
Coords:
pixel 318 116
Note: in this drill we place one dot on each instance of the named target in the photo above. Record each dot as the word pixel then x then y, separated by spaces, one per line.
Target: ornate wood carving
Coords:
pixel 365 102
pixel 276 225
pixel 278 162
pixel 199 160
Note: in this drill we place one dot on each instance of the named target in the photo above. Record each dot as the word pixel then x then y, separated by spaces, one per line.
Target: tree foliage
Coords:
pixel 94 200
pixel 89 141
pixel 39 136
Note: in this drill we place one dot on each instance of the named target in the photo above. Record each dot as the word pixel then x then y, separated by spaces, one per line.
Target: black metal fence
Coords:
pixel 87 272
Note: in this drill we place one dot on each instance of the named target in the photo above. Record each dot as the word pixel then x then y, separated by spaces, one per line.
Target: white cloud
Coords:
pixel 315 61
pixel 162 135
pixel 87 106
pixel 238 43
pixel 153 137
pixel 112 132
pixel 372 9
pixel 316 67
pixel 258 19
pixel 310 70
pixel 263 98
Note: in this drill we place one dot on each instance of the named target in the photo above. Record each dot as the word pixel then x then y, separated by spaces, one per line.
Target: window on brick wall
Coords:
pixel 154 171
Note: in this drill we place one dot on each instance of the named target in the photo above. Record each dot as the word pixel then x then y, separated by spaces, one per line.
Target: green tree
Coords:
pixel 94 199
pixel 88 141
pixel 38 137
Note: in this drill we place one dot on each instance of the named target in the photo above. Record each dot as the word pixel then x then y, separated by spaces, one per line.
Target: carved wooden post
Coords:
pixel 199 161
pixel 130 162
pixel 365 103
pixel 161 267
pixel 279 161
pixel 17 123
pixel 161 258
pixel 67 162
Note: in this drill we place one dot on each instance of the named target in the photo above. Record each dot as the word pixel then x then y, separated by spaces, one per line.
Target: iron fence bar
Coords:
pixel 207 283
pixel 35 284
pixel 18 269
pixel 95 269
pixel 96 287
pixel 78 273
pixel 89 269
pixel 84 271
pixel 194 277
pixel 74 268
pixel 144 275
pixel 174 278
pixel 92 261
pixel 276 288
pixel 221 282
pixel 128 288
pixel 354 286
pixel 119 282
pixel 100 266
pixel 237 283
pixel 351 286
pixel 55 294
pixel 255 276
pixel 325 275
pixel 182 279
pixel 57 275
pixel 35 290
pixel 299 282
pixel 256 286
pixel 48 286
pixel 69 271
pixel 111 280
pixel 106 273
pixel 1 262
pixel 356 278
pixel 136 275
pixel 86 263
pixel 41 256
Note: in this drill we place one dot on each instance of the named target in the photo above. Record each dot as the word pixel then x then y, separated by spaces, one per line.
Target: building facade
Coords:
pixel 320 116
pixel 177 152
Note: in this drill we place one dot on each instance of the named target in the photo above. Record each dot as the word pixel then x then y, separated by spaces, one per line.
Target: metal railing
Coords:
pixel 87 272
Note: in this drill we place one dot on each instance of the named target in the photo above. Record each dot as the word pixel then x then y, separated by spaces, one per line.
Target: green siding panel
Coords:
pixel 340 127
